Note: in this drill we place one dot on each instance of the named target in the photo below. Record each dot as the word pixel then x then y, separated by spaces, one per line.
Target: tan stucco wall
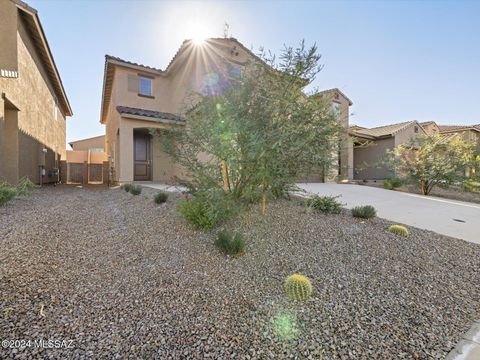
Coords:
pixel 8 37
pixel 82 156
pixel 86 144
pixel 33 95
pixel 407 134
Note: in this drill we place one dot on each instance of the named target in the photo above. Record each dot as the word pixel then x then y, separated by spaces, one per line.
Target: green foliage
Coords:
pixel 428 161
pixel 471 185
pixel 398 230
pixel 7 193
pixel 127 187
pixel 298 287
pixel 230 244
pixel 161 197
pixel 325 204
pixel 260 126
pixel 135 190
pixel 387 184
pixel 364 212
pixel 24 186
pixel 208 209
pixel 392 183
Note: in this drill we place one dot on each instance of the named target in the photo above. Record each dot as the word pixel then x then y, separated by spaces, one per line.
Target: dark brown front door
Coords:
pixel 142 168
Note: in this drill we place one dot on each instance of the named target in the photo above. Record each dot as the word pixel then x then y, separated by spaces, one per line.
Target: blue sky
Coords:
pixel 396 60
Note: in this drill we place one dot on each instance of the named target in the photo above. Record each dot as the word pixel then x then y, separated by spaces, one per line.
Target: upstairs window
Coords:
pixel 336 108
pixel 145 86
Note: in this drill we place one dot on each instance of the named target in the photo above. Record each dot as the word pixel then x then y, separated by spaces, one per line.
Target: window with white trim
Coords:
pixel 145 86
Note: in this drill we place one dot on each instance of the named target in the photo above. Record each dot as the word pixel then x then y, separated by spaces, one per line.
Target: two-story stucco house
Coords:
pixel 33 103
pixel 137 98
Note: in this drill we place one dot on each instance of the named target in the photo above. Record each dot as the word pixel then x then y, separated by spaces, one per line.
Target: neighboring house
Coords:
pixel 137 98
pixel 470 133
pixel 371 145
pixel 93 144
pixel 33 103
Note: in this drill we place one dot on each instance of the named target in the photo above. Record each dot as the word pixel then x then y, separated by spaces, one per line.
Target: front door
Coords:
pixel 142 169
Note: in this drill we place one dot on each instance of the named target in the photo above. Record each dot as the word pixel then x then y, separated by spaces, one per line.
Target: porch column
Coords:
pixel 126 154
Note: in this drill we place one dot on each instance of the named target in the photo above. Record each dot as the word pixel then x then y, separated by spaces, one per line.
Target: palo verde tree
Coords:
pixel 429 161
pixel 261 132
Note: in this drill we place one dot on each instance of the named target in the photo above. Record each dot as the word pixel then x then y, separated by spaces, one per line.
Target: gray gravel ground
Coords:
pixel 125 278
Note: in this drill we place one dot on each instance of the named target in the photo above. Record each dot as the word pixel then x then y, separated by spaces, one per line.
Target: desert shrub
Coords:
pixel 7 193
pixel 398 230
pixel 298 287
pixel 325 204
pixel 230 244
pixel 161 197
pixel 392 183
pixel 387 184
pixel 364 212
pixel 207 209
pixel 135 190
pixel 471 185
pixel 127 187
pixel 24 186
pixel 396 182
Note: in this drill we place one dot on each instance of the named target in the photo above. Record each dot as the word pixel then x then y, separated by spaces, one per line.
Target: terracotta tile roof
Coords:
pixel 383 131
pixel 448 128
pixel 155 115
pixel 426 123
pixel 115 58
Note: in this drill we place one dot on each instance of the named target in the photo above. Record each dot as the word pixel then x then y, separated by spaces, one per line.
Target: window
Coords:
pixel 336 108
pixel 145 86
pixel 415 129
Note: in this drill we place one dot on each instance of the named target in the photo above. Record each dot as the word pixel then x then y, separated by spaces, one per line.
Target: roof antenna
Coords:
pixel 226 27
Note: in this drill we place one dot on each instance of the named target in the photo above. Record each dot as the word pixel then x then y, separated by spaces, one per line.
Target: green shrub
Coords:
pixel 325 204
pixel 24 186
pixel 7 193
pixel 298 287
pixel 471 185
pixel 387 184
pixel 135 190
pixel 364 212
pixel 208 209
pixel 396 182
pixel 127 187
pixel 398 230
pixel 161 197
pixel 230 244
pixel 392 183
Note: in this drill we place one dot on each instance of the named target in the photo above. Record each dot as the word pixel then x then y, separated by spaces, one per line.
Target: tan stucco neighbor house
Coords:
pixel 93 144
pixel 137 98
pixel 33 103
pixel 469 133
pixel 371 146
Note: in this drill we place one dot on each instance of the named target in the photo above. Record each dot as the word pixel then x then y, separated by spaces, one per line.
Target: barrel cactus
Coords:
pixel 398 230
pixel 298 287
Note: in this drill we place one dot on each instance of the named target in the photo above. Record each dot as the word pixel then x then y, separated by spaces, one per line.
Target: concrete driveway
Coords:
pixel 449 217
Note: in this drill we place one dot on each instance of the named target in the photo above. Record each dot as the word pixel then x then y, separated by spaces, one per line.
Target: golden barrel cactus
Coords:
pixel 298 287
pixel 398 230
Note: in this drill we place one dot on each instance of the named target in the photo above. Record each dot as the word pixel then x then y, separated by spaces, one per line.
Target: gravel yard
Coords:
pixel 123 277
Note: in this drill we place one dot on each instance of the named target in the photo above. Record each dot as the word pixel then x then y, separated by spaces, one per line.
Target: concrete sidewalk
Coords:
pixel 448 217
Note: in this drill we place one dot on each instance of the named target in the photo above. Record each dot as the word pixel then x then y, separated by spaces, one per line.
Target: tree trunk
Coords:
pixel 264 197
pixel 226 180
